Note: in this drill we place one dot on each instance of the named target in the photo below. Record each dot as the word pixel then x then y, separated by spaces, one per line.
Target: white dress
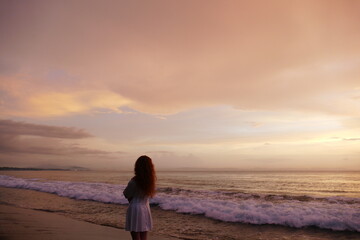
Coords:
pixel 138 215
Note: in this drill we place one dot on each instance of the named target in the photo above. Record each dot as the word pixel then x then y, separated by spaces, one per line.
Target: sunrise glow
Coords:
pixel 261 85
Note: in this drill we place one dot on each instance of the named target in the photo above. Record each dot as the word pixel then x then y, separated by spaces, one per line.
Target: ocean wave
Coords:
pixel 100 192
pixel 246 196
pixel 336 213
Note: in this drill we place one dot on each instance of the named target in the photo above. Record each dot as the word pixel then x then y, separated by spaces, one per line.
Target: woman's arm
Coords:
pixel 130 190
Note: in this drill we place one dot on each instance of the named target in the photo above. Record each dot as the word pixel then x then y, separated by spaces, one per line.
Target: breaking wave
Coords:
pixel 336 213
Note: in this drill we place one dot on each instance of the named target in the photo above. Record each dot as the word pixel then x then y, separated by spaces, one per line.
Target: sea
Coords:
pixel 197 205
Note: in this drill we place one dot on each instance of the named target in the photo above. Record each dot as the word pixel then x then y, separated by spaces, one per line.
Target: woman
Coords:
pixel 138 191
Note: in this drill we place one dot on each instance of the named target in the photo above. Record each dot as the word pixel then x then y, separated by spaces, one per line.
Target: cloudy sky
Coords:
pixel 193 84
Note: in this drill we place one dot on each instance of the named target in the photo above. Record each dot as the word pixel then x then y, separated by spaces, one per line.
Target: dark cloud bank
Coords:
pixel 11 127
pixel 26 138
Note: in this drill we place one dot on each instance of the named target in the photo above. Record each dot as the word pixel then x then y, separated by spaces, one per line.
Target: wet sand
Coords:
pixel 19 223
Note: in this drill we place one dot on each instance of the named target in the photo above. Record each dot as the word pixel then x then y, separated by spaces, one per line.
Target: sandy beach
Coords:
pixel 44 215
pixel 19 223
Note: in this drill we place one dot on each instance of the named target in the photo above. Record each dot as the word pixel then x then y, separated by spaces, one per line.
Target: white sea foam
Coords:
pixel 100 192
pixel 332 213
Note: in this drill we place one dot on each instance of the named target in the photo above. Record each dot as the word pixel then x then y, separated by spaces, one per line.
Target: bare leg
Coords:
pixel 135 236
pixel 143 235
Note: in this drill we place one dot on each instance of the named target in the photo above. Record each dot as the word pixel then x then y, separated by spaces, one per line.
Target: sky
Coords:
pixel 248 85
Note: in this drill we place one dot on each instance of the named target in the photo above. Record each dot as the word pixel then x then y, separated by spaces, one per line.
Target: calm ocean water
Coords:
pixel 325 200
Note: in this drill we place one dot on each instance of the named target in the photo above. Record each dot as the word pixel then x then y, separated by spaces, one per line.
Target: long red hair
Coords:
pixel 145 176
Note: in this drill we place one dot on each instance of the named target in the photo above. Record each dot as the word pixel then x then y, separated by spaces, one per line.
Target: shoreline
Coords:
pixel 21 223
pixel 169 224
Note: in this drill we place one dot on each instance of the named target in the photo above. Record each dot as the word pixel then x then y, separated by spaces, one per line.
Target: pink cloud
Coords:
pixel 167 57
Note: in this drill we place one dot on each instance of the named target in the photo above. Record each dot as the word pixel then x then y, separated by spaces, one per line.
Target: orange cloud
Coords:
pixel 58 104
pixel 34 97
